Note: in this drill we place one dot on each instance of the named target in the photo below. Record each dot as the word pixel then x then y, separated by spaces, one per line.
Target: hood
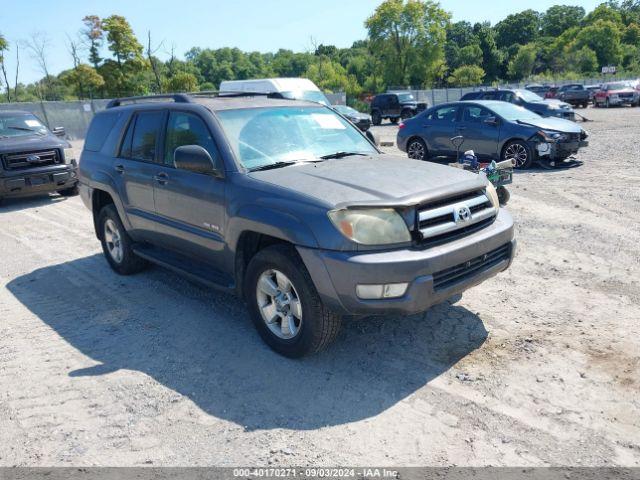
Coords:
pixel 378 180
pixel 31 142
pixel 553 123
pixel 409 103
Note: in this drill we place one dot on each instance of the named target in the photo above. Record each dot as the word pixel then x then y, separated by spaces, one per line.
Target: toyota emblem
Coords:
pixel 462 214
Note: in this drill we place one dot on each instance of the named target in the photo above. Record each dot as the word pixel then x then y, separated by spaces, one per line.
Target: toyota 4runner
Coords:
pixel 289 205
pixel 34 159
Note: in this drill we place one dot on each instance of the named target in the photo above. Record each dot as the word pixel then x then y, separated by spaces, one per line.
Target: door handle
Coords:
pixel 162 178
pixel 119 169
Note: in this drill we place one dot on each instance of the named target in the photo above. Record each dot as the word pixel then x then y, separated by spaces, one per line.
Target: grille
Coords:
pixel 626 95
pixel 446 278
pixel 21 161
pixel 454 217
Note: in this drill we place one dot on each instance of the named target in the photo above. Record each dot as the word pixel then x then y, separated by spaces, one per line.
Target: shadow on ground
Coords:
pixel 20 203
pixel 202 344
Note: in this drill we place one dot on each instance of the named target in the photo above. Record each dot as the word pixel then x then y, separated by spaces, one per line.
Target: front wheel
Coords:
pixel 417 149
pixel 284 304
pixel 519 153
pixel 394 120
pixel 376 118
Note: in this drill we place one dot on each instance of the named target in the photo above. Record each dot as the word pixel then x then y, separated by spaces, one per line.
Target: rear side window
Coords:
pixel 444 114
pixel 142 136
pixel 99 130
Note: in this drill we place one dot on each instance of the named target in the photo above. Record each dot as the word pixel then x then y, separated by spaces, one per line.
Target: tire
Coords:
pixel 607 103
pixel 585 105
pixel 406 114
pixel 69 192
pixel 376 118
pixel 394 120
pixel 520 152
pixel 310 330
pixel 417 149
pixel 114 236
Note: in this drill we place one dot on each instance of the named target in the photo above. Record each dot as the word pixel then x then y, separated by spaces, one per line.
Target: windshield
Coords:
pixel 20 124
pixel 310 95
pixel 512 112
pixel 618 86
pixel 265 136
pixel 406 97
pixel 528 96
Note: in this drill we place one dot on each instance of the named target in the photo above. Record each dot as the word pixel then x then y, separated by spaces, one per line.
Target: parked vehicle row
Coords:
pixel 609 94
pixel 494 130
pixel 526 99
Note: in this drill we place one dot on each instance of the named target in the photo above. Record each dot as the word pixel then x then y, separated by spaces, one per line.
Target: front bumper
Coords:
pixel 617 101
pixel 336 274
pixel 20 183
pixel 558 150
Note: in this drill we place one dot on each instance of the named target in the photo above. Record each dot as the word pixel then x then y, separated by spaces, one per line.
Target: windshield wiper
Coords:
pixel 342 155
pixel 271 166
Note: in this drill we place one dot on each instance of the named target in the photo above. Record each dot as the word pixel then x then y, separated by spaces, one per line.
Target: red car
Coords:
pixel 614 94
pixel 552 92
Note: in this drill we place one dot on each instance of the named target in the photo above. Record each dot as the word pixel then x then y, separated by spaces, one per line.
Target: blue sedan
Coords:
pixel 494 130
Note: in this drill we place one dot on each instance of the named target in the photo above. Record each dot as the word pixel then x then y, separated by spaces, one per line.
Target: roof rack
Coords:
pixel 231 93
pixel 176 97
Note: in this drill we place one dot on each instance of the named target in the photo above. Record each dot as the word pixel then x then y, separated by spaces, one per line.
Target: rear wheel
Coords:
pixel 376 118
pixel 406 113
pixel 116 243
pixel 284 304
pixel 417 149
pixel 394 120
pixel 519 153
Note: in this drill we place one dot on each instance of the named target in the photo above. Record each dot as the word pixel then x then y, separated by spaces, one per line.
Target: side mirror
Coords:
pixel 373 138
pixel 59 132
pixel 193 158
pixel 493 121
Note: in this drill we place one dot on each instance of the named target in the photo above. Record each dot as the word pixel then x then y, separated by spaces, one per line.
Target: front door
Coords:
pixel 190 206
pixel 479 136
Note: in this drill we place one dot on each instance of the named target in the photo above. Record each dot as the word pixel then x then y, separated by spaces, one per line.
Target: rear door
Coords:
pixel 134 170
pixel 190 206
pixel 439 127
pixel 479 136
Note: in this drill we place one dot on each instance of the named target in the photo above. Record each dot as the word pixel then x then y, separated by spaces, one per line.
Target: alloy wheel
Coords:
pixel 416 150
pixel 517 153
pixel 113 240
pixel 279 304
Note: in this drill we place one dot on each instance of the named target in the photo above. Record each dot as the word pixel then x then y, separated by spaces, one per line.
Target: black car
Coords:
pixel 494 130
pixel 33 158
pixel 526 99
pixel 394 106
pixel 359 119
pixel 540 90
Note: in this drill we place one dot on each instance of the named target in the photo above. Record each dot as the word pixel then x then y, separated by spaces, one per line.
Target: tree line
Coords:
pixel 409 43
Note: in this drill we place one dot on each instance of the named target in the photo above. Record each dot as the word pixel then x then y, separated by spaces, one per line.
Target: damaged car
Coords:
pixel 494 130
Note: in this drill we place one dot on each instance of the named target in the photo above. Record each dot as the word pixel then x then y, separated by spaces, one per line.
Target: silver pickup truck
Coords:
pixel 290 206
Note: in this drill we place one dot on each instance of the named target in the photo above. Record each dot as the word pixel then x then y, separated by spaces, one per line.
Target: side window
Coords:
pixel 507 97
pixel 142 136
pixel 145 136
pixel 475 114
pixel 185 128
pixel 444 114
pixel 488 96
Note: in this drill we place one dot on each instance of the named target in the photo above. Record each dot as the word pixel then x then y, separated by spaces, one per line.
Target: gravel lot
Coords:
pixel 539 366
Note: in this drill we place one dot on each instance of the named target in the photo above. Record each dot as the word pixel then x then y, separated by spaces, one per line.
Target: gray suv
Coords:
pixel 290 206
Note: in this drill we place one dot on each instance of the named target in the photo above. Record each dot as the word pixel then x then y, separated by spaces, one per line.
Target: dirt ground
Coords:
pixel 538 366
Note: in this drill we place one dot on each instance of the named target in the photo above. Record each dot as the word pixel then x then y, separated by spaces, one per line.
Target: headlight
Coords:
pixel 553 106
pixel 69 155
pixel 371 227
pixel 550 136
pixel 493 195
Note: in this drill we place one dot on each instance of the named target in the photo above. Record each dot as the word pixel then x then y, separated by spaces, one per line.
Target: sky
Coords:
pixel 262 25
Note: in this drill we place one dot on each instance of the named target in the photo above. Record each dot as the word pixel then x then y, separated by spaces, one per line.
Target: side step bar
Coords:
pixel 199 272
